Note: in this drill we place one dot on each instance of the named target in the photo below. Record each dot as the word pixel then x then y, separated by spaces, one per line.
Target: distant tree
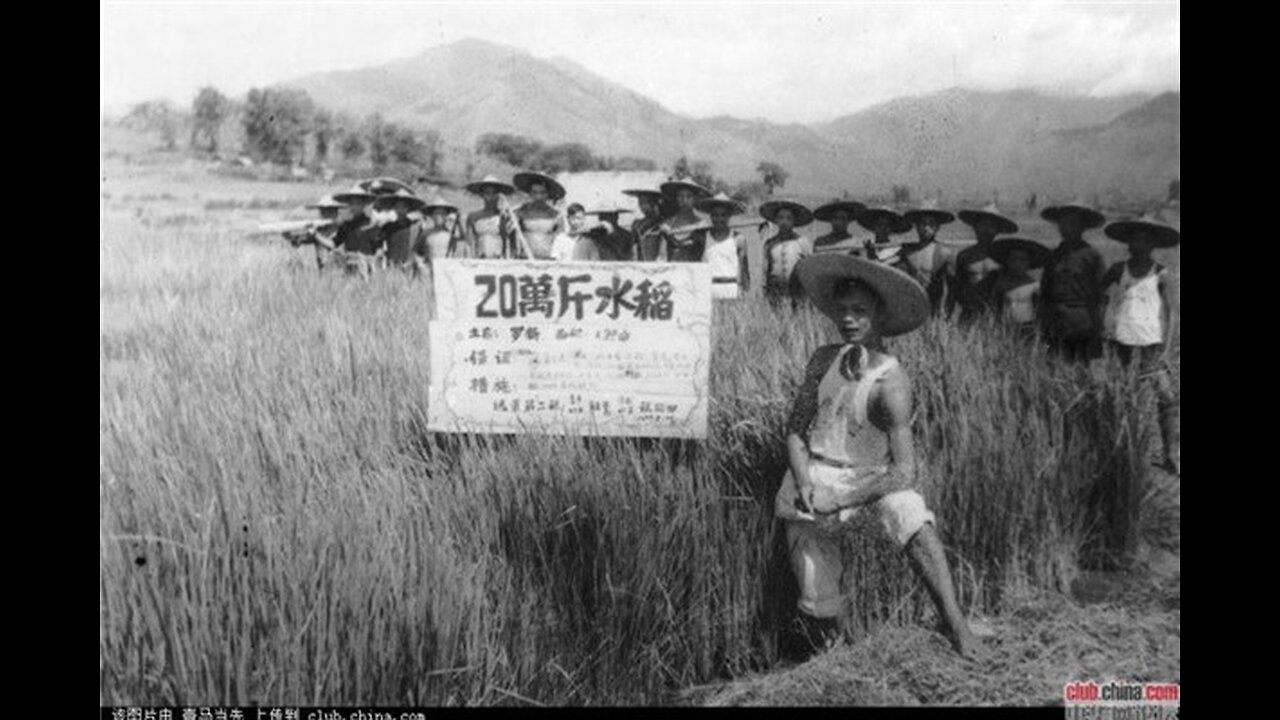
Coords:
pixel 749 191
pixel 377 136
pixel 276 123
pixel 420 148
pixel 351 147
pixel 209 111
pixel 322 129
pixel 566 157
pixel 158 116
pixel 772 175
pixel 516 150
pixel 681 169
pixel 901 195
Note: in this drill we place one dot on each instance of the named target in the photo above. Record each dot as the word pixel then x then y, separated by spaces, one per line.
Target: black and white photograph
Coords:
pixel 583 353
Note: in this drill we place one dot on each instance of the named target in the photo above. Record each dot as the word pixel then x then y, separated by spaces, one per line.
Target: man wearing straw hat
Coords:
pixel 926 259
pixel 1071 285
pixel 487 229
pixel 839 213
pixel 1139 319
pixel 612 242
pixel 322 234
pixel 974 264
pixel 360 237
pixel 681 246
pixel 443 240
pixel 725 248
pixel 404 236
pixel 849 443
pixel 1012 288
pixel 884 223
pixel 784 250
pixel 650 229
pixel 539 220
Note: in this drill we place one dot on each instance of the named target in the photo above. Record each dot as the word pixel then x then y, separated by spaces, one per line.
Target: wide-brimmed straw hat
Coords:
pixel 803 215
pixel 525 180
pixel 904 305
pixel 826 213
pixel 671 187
pixel 607 208
pixel 1079 207
pixel 399 196
pixel 326 202
pixel 655 195
pixel 720 200
pixel 491 181
pixel 873 216
pixel 437 202
pixel 1004 225
pixel 357 193
pixel 1162 233
pixel 1000 249
pixel 929 209
pixel 385 185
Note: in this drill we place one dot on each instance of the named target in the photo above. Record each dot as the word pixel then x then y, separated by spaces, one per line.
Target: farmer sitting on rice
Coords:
pixel 849 444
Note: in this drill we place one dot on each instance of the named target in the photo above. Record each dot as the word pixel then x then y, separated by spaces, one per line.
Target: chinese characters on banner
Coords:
pixel 616 349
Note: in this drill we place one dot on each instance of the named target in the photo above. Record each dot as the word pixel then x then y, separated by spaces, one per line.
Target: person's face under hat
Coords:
pixel 720 215
pixel 927 227
pixel 855 311
pixel 1018 262
pixel 986 228
pixel 1070 224
pixel 577 219
pixel 538 192
pixel 440 216
pixel 685 199
pixel 649 206
pixel 784 219
pixel 840 220
pixel 330 212
pixel 1141 243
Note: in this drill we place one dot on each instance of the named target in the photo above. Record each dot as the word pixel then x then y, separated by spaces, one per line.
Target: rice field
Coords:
pixel 276 525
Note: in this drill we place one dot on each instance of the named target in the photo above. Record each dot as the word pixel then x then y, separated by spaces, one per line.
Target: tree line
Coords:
pixel 285 126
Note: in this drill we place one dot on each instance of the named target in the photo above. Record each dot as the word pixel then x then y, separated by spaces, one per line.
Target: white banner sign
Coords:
pixel 614 363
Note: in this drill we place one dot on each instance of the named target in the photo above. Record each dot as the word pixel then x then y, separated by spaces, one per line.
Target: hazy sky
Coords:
pixel 785 61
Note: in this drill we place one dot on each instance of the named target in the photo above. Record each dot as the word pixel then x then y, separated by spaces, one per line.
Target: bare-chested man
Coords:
pixel 486 229
pixel 683 246
pixel 649 229
pixel 539 219
pixel 839 213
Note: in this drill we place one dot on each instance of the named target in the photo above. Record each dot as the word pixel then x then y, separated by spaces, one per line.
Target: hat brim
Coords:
pixel 525 180
pixel 1004 225
pixel 1000 249
pixel 870 217
pixel 904 305
pixel 942 217
pixel 673 187
pixel 826 213
pixel 706 206
pixel 803 215
pixel 350 197
pixel 387 201
pixel 1163 236
pixel 432 207
pixel 1092 218
pixel 607 211
pixel 479 187
pixel 653 194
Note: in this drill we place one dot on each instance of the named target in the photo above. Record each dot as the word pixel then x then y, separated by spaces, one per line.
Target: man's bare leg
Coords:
pixel 929 560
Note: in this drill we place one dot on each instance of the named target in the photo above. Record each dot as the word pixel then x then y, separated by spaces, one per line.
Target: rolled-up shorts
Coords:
pixel 814 547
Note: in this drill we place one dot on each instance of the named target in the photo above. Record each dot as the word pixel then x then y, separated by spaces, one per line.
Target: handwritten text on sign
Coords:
pixel 677 293
pixel 563 373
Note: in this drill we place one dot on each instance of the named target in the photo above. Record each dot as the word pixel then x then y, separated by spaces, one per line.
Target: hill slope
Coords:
pixel 961 142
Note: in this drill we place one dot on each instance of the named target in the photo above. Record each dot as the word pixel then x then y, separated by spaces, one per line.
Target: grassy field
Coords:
pixel 277 526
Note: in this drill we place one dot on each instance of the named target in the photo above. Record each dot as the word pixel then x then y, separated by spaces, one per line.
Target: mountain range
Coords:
pixel 964 144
